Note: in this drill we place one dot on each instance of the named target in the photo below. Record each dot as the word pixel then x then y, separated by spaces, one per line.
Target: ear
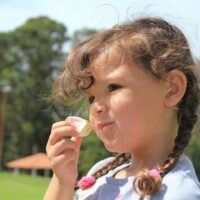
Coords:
pixel 175 85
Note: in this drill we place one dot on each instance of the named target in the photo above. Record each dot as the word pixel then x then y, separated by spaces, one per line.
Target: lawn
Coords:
pixel 22 187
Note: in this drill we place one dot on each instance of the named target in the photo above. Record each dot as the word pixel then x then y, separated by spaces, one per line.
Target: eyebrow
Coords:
pixel 114 76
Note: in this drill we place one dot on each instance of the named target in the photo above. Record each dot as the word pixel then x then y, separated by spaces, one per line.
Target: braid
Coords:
pixel 188 119
pixel 117 161
pixel 148 185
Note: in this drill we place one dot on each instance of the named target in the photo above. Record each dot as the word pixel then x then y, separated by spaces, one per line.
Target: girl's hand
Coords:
pixel 63 149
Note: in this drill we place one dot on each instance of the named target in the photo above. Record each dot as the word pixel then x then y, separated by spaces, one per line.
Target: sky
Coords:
pixel 101 14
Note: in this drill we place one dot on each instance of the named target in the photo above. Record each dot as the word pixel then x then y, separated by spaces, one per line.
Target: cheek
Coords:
pixel 129 121
pixel 126 115
pixel 132 116
pixel 125 109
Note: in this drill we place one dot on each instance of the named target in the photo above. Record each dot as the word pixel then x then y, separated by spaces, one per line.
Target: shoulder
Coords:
pixel 99 164
pixel 183 171
pixel 181 183
pixel 181 187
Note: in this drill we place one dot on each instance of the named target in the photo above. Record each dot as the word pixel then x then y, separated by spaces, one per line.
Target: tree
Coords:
pixel 30 56
pixel 81 35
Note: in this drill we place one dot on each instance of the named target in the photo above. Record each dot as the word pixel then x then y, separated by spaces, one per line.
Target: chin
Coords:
pixel 113 148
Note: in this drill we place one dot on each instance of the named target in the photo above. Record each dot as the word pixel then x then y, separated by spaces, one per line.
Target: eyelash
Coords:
pixel 111 87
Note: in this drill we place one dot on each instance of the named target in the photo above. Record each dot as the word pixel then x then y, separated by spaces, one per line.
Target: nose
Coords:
pixel 98 108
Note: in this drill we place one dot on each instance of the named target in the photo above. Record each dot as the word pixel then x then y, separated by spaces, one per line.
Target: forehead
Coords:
pixel 114 63
pixel 106 71
pixel 107 63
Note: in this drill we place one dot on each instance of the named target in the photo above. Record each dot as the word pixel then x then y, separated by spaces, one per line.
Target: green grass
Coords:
pixel 22 187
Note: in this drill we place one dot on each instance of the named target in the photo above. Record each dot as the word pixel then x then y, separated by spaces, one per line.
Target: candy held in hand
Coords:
pixel 82 126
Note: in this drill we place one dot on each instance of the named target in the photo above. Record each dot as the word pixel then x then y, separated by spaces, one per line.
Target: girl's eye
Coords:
pixel 91 99
pixel 113 86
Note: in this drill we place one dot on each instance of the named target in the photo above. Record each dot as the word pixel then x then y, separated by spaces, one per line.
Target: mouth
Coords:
pixel 103 125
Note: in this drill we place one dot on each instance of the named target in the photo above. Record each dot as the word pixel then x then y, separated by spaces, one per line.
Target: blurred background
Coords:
pixel 35 38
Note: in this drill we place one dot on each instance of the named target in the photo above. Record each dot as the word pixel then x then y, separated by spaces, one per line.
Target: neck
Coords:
pixel 149 158
pixel 157 151
pixel 146 159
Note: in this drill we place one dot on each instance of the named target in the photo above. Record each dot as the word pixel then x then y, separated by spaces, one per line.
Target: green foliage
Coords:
pixel 193 150
pixel 22 187
pixel 30 56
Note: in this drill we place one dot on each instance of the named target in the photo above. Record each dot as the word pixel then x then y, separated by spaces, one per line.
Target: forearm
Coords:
pixel 58 191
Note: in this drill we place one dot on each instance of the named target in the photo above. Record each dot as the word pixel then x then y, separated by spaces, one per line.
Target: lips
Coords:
pixel 101 125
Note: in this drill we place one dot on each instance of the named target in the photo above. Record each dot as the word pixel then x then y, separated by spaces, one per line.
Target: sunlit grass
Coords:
pixel 22 187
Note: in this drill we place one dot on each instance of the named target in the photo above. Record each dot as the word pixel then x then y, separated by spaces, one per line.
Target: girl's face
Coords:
pixel 126 106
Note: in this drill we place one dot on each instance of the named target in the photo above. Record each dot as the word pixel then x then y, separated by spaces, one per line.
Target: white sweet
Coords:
pixel 82 126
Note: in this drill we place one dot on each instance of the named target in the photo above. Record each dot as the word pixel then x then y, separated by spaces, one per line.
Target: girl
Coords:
pixel 142 85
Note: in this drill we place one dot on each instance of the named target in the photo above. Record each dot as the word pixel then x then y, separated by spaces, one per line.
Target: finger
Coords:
pixel 61 123
pixel 62 132
pixel 61 146
pixel 63 158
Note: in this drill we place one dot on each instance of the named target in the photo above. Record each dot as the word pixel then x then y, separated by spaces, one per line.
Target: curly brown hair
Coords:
pixel 159 47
